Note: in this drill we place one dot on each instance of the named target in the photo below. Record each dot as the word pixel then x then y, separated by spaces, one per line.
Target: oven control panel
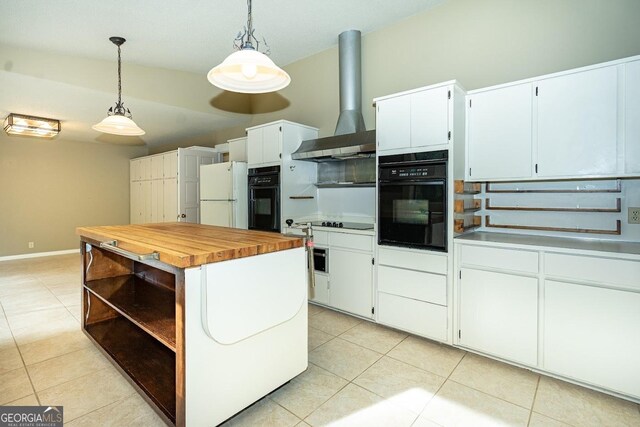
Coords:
pixel 391 173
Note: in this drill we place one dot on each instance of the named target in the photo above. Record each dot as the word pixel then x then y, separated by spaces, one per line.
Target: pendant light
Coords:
pixel 118 120
pixel 248 70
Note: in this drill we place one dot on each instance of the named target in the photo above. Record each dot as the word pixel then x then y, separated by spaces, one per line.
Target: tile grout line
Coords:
pixel 24 365
pixel 535 394
pixel 442 385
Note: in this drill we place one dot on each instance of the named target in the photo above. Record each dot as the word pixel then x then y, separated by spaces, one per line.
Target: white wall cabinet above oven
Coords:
pixel 416 119
pixel 575 124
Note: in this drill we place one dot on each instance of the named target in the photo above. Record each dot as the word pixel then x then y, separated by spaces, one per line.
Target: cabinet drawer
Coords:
pixel 352 241
pixel 421 318
pixel 321 238
pixel 413 284
pixel 432 263
pixel 619 272
pixel 505 259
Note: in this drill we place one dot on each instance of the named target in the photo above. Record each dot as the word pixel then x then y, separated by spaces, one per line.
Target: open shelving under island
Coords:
pixel 202 320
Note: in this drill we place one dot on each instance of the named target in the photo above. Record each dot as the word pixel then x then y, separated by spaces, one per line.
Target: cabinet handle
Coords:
pixel 113 247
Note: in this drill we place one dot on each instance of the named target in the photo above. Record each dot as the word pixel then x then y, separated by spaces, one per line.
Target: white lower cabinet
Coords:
pixel 320 293
pixel 412 292
pixel 411 315
pixel 499 314
pixel 351 276
pixel 348 283
pixel 592 334
pixel 587 306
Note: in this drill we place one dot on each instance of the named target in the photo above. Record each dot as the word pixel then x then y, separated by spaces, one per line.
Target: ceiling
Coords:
pixel 187 35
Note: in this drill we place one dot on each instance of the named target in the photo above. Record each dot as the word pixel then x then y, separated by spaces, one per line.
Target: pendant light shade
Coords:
pixel 118 120
pixel 248 70
pixel 118 125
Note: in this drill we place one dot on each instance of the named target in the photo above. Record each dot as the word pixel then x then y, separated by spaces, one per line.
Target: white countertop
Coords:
pixel 609 246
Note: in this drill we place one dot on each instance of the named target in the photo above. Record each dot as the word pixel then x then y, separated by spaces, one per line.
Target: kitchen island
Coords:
pixel 202 320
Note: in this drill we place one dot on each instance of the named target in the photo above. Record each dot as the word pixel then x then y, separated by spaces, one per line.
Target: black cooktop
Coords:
pixel 347 225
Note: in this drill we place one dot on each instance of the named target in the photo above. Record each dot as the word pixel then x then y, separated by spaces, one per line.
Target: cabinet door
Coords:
pixel 170 199
pixel 145 199
pixel 157 204
pixel 499 314
pixel 430 117
pixel 134 170
pixel 189 187
pixel 145 168
pixel 393 123
pixel 271 143
pixel 577 124
pixel 591 334
pixel 632 117
pixel 320 293
pixel 238 150
pixel 254 147
pixel 170 166
pixel 499 134
pixel 157 167
pixel 350 274
pixel 135 205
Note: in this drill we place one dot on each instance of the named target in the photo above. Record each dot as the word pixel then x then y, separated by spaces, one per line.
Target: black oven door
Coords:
pixel 413 214
pixel 264 209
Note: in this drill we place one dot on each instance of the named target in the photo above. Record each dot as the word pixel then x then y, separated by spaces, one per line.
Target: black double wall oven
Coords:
pixel 264 199
pixel 412 200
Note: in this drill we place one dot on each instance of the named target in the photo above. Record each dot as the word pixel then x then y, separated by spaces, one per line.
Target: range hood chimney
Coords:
pixel 350 119
pixel 350 140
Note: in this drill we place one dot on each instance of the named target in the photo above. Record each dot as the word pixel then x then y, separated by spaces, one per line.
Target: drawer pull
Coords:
pixel 113 247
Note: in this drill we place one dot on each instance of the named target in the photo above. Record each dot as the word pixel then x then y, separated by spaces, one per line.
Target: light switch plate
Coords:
pixel 634 215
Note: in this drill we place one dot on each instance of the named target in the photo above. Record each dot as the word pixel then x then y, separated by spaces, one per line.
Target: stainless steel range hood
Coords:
pixel 350 139
pixel 339 147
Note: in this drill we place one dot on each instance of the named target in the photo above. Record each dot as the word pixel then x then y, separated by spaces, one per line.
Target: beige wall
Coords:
pixel 48 188
pixel 478 42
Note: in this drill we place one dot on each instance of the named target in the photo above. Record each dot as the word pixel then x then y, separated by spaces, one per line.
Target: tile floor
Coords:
pixel 360 374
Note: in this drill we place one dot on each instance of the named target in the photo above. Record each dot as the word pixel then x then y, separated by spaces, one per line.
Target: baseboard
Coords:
pixel 38 254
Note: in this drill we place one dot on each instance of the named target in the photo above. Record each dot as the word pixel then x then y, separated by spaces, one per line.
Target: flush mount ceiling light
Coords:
pixel 248 70
pixel 118 120
pixel 19 124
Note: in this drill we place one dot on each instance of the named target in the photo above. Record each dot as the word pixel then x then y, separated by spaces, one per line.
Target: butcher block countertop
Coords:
pixel 187 245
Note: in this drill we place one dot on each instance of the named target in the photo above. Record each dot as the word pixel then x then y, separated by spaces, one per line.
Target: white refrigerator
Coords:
pixel 223 194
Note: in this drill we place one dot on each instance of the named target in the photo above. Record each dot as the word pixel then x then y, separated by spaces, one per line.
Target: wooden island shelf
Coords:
pixel 134 310
pixel 149 306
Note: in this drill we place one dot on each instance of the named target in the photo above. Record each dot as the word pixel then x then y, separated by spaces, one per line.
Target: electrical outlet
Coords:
pixel 634 215
pixel 31 245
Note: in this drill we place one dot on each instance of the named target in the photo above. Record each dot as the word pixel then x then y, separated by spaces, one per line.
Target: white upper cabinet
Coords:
pixel 134 169
pixel 254 147
pixel 170 161
pixel 393 123
pixel 577 124
pixel 264 145
pixel 430 117
pixel 499 129
pixel 583 123
pixel 238 150
pixel 632 117
pixel 157 167
pixel 415 119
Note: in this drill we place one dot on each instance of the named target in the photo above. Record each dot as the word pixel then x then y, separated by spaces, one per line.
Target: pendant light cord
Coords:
pixel 119 79
pixel 249 21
